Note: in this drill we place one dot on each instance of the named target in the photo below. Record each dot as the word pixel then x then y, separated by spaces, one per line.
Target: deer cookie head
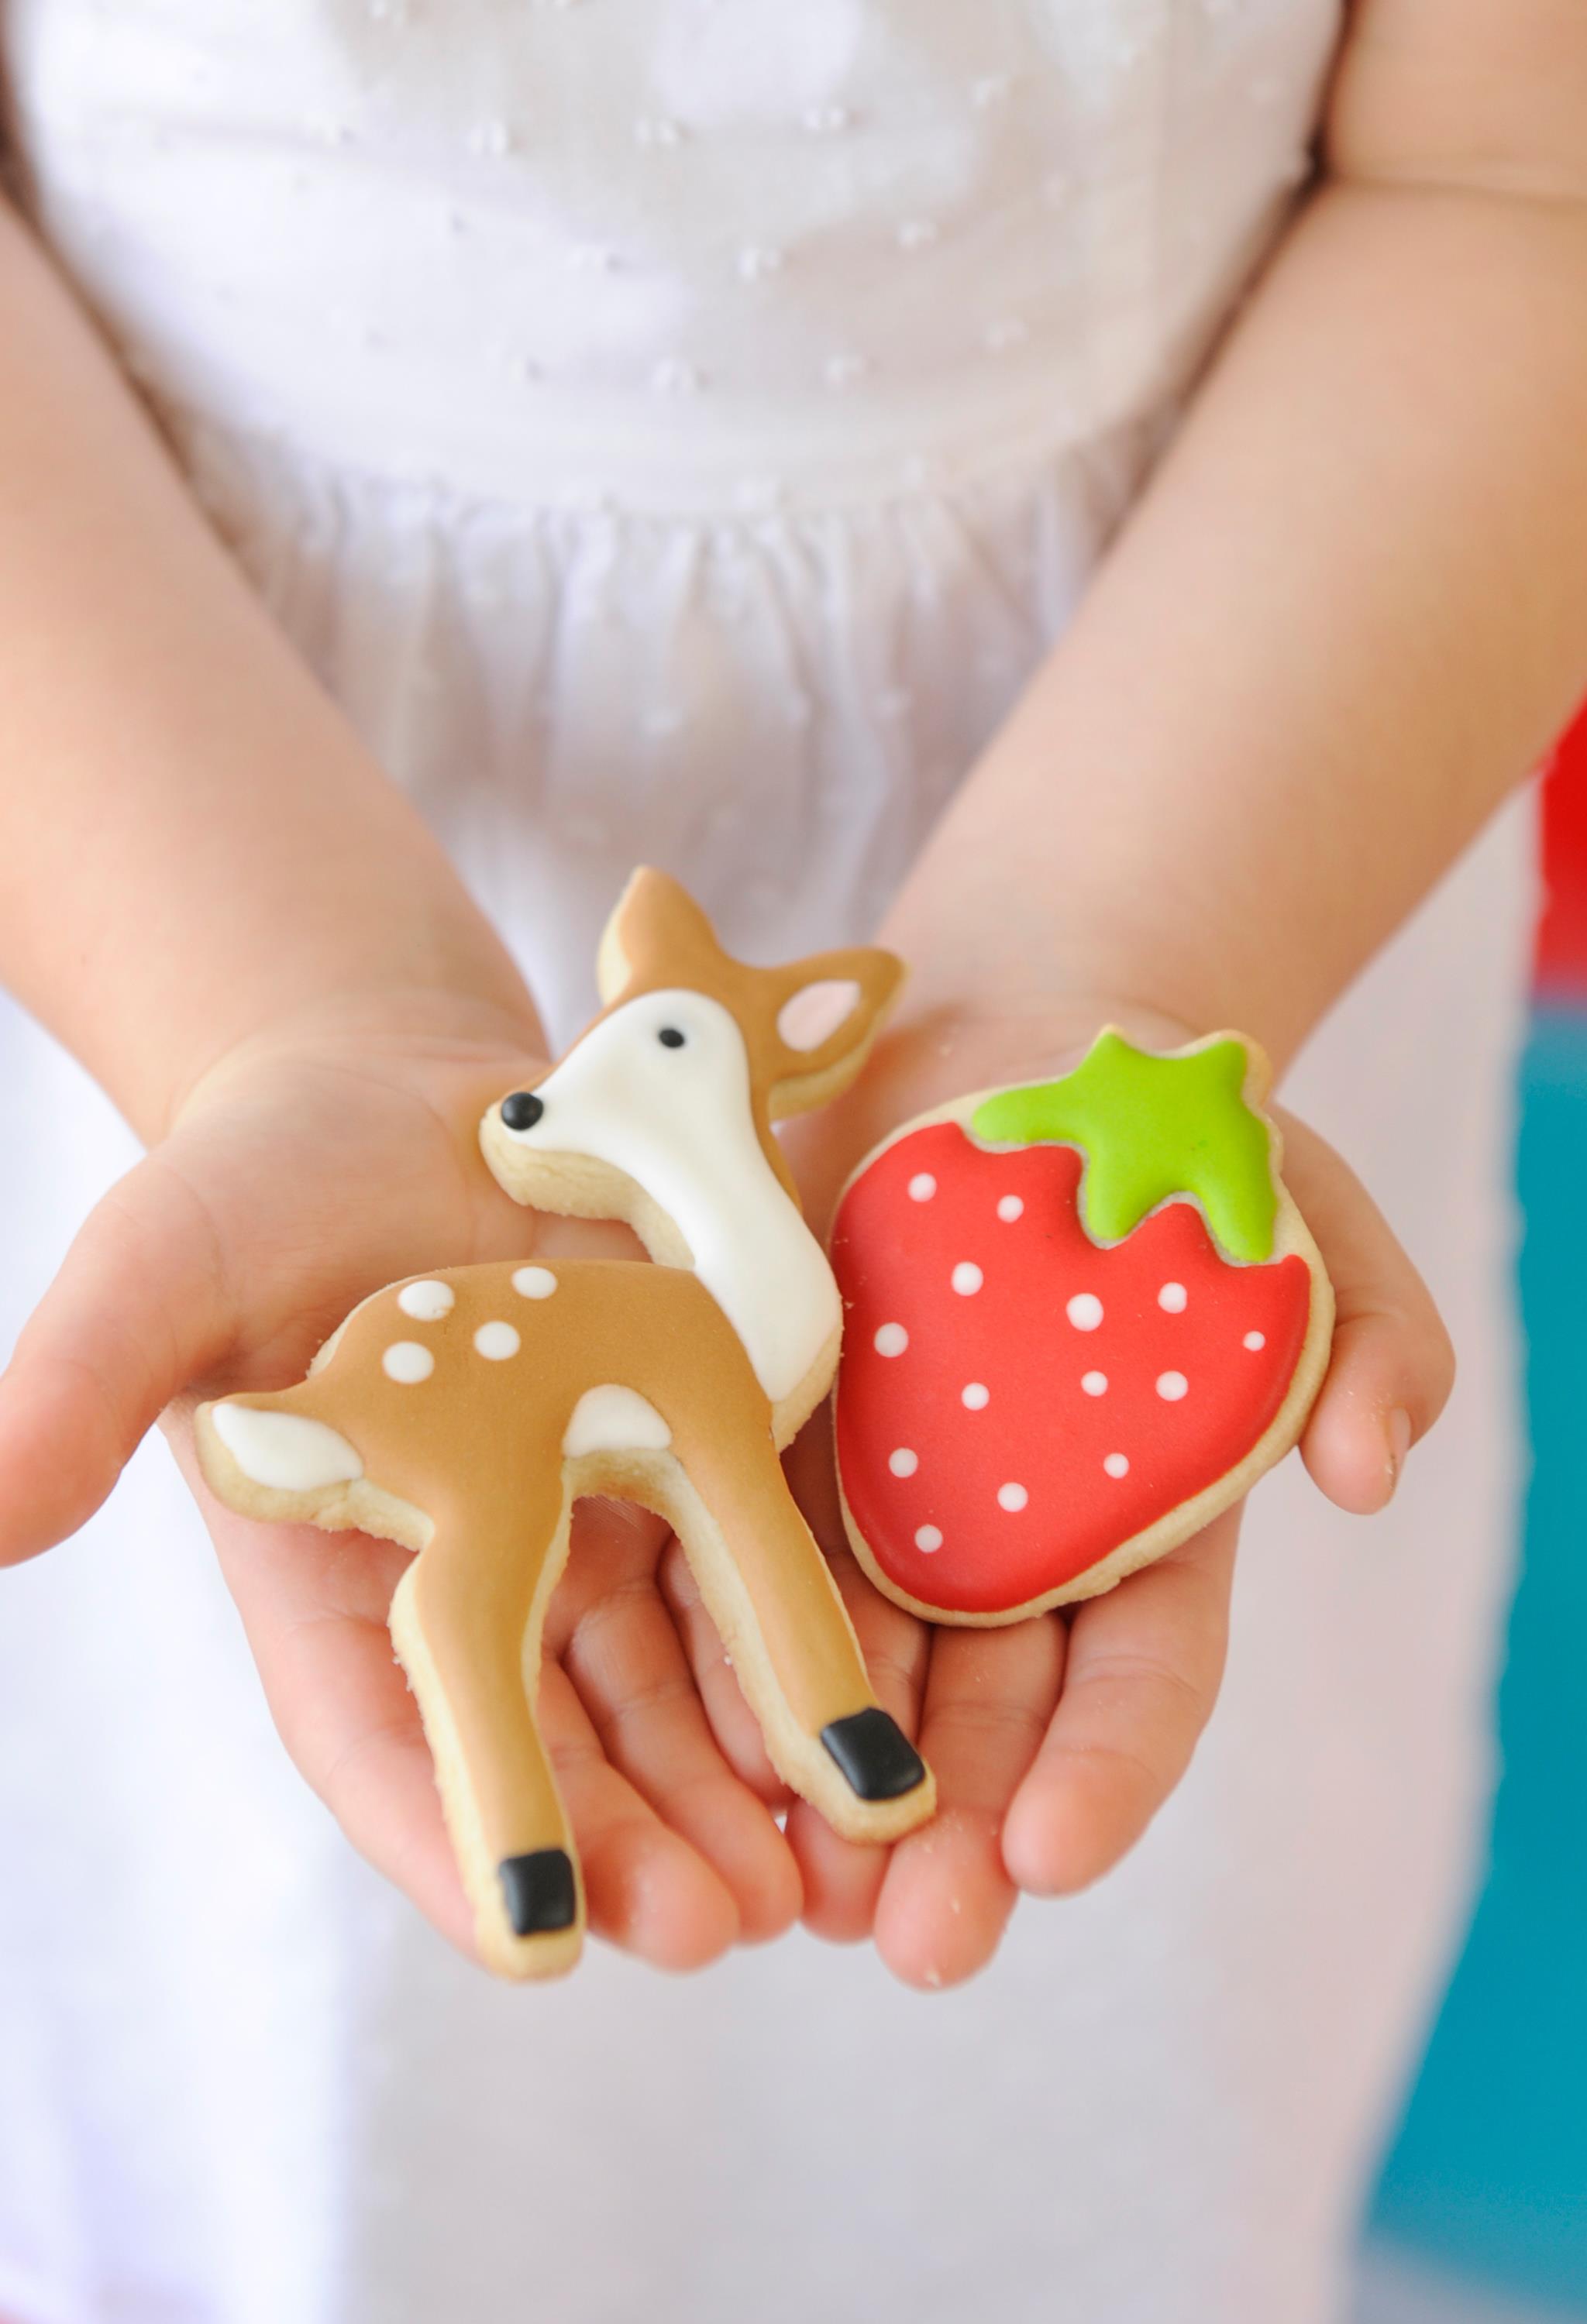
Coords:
pixel 692 1057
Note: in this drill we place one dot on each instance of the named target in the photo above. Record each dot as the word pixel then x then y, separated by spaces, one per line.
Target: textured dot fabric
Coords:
pixel 675 430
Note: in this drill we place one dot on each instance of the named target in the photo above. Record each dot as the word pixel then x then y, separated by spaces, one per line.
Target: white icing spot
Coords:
pixel 1255 1341
pixel 815 1011
pixel 928 1538
pixel 497 1341
pixel 284 1449
pixel 966 1278
pixel 1085 1311
pixel 975 1396
pixel 1010 1207
pixel 407 1361
pixel 1116 1465
pixel 1172 1298
pixel 534 1282
pixel 1172 1386
pixel 1095 1383
pixel 891 1339
pixel 903 1462
pixel 922 1186
pixel 1011 1497
pixel 426 1303
pixel 615 1419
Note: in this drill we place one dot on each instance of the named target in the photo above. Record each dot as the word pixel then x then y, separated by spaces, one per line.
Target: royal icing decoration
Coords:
pixel 1107 1319
pixel 461 1413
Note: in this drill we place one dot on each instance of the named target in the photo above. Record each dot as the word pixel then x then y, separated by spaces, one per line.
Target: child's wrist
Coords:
pixel 942 1048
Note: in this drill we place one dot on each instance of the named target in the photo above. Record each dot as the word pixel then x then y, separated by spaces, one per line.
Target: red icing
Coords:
pixel 894 1259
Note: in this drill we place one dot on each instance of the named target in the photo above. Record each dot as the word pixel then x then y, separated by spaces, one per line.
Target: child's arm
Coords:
pixel 210 892
pixel 193 842
pixel 1348 616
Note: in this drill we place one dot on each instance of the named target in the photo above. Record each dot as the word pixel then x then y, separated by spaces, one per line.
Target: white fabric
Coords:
pixel 674 430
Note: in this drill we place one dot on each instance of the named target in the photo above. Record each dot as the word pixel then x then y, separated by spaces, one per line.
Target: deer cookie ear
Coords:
pixel 655 928
pixel 811 1016
pixel 828 1014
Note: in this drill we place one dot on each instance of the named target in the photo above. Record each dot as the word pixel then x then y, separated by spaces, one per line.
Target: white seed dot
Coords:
pixel 497 1341
pixel 534 1282
pixel 1116 1464
pixel 966 1278
pixel 1254 1341
pixel 1010 1207
pixel 1172 1298
pixel 1085 1311
pixel 922 1186
pixel 903 1462
pixel 928 1538
pixel 407 1361
pixel 891 1339
pixel 1172 1386
pixel 975 1396
pixel 1011 1497
pixel 426 1303
pixel 1095 1383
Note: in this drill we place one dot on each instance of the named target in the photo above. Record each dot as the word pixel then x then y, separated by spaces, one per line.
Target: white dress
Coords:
pixel 675 430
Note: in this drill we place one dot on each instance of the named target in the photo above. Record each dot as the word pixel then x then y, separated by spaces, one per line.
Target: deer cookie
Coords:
pixel 463 1413
pixel 1082 1317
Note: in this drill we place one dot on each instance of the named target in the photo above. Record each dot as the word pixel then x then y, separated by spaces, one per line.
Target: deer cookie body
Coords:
pixel 462 1413
pixel 1084 1316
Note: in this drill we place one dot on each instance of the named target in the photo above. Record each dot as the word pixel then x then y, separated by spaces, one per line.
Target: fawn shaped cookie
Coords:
pixel 1083 1318
pixel 463 1413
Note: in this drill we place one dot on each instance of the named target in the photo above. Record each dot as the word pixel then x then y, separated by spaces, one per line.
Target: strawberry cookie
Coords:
pixel 1082 1317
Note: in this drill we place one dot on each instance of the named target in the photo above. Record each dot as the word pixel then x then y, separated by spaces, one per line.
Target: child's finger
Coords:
pixel 947 1894
pixel 843 1877
pixel 616 1640
pixel 1144 1665
pixel 140 1307
pixel 733 1723
pixel 1392 1365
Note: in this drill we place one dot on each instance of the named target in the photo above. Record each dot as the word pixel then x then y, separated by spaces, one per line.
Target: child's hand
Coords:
pixel 314 1166
pixel 1054 1741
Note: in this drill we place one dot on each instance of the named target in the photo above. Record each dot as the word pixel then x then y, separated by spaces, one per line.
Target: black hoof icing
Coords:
pixel 875 1755
pixel 540 1891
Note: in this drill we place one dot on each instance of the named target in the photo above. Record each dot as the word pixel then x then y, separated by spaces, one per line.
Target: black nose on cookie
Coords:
pixel 522 1109
pixel 539 1892
pixel 875 1755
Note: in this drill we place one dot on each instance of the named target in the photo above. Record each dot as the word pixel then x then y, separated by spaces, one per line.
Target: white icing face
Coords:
pixel 660 1091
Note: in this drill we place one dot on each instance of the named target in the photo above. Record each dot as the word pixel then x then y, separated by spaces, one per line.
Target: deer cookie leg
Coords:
pixel 771 1595
pixel 467 1621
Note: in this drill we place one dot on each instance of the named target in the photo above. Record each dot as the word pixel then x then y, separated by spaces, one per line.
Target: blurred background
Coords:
pixel 1480 2215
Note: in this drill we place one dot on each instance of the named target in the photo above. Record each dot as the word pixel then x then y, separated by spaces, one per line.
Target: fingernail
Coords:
pixel 1398 1431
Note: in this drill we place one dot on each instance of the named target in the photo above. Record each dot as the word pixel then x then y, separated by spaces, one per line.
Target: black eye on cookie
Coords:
pixel 520 1109
pixel 671 1038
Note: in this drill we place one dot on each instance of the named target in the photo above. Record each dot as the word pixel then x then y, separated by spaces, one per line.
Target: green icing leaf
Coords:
pixel 1150 1127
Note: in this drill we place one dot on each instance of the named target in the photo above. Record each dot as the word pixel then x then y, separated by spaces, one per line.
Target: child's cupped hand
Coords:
pixel 1055 1740
pixel 311 1166
pixel 324 1159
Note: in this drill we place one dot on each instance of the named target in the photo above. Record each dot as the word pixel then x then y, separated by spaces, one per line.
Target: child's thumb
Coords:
pixel 1392 1366
pixel 140 1308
